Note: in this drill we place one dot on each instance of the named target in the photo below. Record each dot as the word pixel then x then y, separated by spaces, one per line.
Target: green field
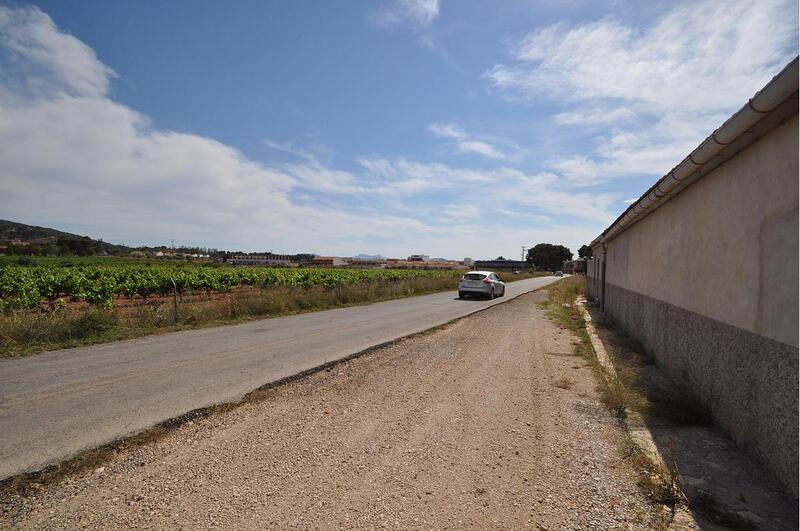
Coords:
pixel 51 303
pixel 30 286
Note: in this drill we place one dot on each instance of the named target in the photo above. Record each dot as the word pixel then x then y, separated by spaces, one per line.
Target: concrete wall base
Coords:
pixel 747 383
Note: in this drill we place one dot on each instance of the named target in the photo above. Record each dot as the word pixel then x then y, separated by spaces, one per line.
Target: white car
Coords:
pixel 483 283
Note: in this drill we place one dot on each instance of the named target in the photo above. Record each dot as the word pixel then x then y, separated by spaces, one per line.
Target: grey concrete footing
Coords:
pixel 718 483
pixel 633 424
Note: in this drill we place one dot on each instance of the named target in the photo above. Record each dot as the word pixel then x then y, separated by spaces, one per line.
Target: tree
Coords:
pixel 585 251
pixel 548 256
pixel 500 258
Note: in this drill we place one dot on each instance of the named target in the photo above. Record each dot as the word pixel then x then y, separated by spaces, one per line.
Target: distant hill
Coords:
pixel 369 257
pixel 11 230
pixel 18 238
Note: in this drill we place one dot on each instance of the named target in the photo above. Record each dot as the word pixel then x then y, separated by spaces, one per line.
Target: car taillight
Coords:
pixel 487 281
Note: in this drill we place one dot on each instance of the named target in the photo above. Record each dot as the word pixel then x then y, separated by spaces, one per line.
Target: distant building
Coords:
pixel 468 262
pixel 330 261
pixel 263 259
pixel 499 265
pixel 419 258
pixel 395 263
pixel 368 262
pixel 574 266
pixel 303 259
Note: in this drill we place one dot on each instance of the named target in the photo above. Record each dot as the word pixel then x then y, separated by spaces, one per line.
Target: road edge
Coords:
pixel 636 429
pixel 25 483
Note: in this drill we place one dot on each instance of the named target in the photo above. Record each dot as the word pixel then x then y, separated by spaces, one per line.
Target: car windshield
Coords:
pixel 474 276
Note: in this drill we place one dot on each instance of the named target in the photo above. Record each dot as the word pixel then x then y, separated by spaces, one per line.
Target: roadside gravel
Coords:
pixel 487 422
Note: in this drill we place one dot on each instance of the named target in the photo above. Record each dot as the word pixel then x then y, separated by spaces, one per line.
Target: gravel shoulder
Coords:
pixel 486 422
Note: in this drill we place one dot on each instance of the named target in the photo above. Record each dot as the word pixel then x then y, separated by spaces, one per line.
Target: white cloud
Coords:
pixel 405 177
pixel 700 56
pixel 70 156
pixel 665 86
pixel 481 148
pixel 461 212
pixel 288 147
pixel 445 130
pixel 45 52
pixel 545 193
pixel 599 116
pixel 466 143
pixel 417 13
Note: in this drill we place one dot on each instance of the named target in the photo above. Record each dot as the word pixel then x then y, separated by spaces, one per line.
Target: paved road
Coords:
pixel 463 428
pixel 55 404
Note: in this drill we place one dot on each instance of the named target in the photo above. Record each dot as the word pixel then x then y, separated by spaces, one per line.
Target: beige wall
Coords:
pixel 708 283
pixel 727 246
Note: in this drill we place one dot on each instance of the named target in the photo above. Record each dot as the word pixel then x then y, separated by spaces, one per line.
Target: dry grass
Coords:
pixel 658 481
pixel 621 392
pixel 637 389
pixel 560 303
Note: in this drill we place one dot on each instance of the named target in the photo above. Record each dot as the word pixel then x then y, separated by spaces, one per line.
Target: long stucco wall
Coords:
pixel 709 283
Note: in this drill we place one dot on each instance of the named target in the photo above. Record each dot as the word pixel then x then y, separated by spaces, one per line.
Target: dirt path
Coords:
pixel 461 427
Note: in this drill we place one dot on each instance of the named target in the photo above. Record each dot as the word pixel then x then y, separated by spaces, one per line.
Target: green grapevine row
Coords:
pixel 28 287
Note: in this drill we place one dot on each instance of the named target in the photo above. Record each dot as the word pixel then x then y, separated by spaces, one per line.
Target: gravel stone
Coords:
pixel 460 427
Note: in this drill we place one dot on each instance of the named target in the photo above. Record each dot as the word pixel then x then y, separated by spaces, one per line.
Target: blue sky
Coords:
pixel 415 126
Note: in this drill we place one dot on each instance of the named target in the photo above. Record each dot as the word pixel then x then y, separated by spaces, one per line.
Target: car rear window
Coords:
pixel 474 276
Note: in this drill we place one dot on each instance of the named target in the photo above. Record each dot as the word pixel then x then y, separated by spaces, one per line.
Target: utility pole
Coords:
pixel 173 244
pixel 523 256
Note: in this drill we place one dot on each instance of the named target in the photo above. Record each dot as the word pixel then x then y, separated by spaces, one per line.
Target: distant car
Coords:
pixel 483 283
pixel 559 273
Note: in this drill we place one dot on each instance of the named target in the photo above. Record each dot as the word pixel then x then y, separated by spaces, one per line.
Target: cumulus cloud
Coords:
pixel 417 13
pixel 44 53
pixel 663 87
pixel 71 155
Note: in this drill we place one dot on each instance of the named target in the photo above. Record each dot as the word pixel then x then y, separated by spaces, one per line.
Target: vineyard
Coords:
pixel 31 287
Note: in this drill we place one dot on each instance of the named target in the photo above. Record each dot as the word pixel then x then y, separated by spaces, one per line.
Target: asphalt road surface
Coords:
pixel 487 423
pixel 56 404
